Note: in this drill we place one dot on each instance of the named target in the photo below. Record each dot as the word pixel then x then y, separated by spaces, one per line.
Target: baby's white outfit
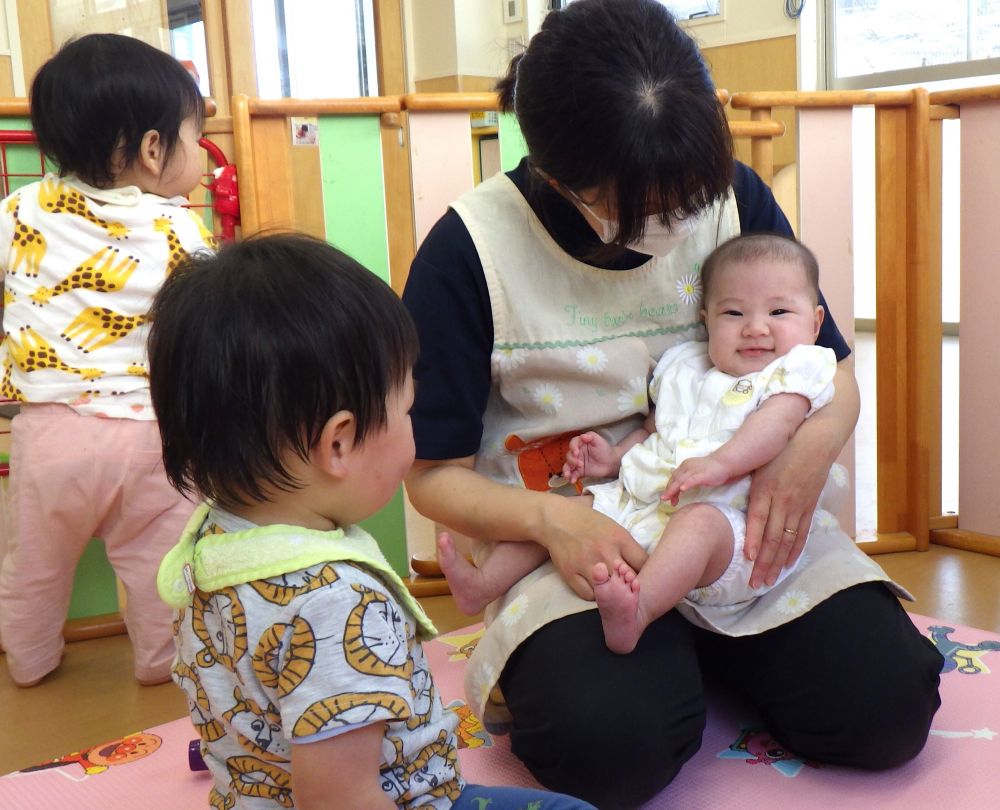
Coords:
pixel 698 409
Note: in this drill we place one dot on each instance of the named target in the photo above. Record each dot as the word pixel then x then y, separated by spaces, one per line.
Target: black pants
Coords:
pixel 850 683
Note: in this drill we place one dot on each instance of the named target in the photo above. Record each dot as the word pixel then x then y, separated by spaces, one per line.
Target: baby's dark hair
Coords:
pixel 252 350
pixel 613 94
pixel 103 92
pixel 752 247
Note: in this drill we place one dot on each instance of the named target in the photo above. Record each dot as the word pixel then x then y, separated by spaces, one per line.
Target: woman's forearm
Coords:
pixel 453 494
pixel 576 537
pixel 826 432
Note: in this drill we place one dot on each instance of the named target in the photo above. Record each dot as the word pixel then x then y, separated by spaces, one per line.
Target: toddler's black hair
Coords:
pixel 104 92
pixel 252 350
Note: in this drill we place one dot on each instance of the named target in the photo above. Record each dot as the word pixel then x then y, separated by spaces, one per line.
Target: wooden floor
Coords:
pixel 92 697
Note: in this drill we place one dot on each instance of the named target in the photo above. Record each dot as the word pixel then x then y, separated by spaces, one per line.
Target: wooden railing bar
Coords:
pixel 990 93
pixel 831 98
pixel 324 106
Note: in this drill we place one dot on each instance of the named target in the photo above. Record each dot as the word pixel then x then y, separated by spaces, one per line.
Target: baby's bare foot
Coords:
pixel 464 579
pixel 618 603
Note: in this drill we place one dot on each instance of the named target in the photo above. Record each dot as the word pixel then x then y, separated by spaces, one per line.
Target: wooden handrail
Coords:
pixel 991 93
pixel 14 106
pixel 450 102
pixel 821 98
pixel 474 102
pixel 20 106
pixel 324 106
pixel 756 129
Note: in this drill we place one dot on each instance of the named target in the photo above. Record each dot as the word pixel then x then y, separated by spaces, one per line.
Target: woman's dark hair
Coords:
pixel 252 350
pixel 612 94
pixel 103 92
pixel 752 247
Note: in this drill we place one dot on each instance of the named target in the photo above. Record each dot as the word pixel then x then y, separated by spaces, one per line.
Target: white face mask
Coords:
pixel 657 239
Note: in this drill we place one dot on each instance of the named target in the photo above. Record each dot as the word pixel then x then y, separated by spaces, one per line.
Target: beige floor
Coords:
pixel 92 697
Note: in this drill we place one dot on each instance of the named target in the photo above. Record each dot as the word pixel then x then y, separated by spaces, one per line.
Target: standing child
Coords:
pixel 281 374
pixel 723 409
pixel 83 253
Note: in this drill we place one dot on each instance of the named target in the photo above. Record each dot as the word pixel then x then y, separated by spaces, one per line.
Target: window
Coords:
pixel 875 43
pixel 174 26
pixel 693 9
pixel 681 9
pixel 314 48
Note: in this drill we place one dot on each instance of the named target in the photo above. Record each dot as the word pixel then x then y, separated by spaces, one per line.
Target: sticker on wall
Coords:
pixel 305 131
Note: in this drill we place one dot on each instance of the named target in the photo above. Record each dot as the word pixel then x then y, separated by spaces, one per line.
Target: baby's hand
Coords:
pixel 589 456
pixel 706 471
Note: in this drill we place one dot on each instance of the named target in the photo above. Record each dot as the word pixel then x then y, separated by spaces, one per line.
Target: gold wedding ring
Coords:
pixel 790 531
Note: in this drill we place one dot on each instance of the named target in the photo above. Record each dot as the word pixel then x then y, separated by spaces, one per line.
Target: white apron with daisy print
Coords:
pixel 573 349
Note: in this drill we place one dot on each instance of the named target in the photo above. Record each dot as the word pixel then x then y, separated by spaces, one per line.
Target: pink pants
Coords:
pixel 75 477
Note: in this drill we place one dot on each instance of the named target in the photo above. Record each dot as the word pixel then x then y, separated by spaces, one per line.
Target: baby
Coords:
pixel 723 409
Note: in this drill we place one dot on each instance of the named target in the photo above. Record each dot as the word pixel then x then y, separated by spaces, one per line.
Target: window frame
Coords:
pixel 892 78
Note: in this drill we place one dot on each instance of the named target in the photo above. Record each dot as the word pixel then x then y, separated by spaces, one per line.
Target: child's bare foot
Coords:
pixel 465 580
pixel 617 596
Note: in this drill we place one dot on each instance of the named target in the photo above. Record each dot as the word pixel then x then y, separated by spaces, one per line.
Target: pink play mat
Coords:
pixel 737 766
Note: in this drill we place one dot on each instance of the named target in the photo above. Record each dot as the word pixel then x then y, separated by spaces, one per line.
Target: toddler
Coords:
pixel 281 374
pixel 83 251
pixel 723 409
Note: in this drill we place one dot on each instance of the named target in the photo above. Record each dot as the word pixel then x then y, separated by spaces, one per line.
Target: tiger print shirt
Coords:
pixel 80 267
pixel 300 657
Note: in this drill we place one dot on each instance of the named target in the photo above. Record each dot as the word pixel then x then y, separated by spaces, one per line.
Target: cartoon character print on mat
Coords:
pixel 220 623
pixel 56 197
pixel 98 758
pixel 266 724
pixel 281 590
pixel 434 766
pixel 107 271
pixel 29 244
pixel 755 746
pixel 966 658
pixel 32 352
pixel 470 730
pixel 375 637
pixel 540 461
pixel 257 779
pixel 462 644
pixel 284 655
pixel 209 729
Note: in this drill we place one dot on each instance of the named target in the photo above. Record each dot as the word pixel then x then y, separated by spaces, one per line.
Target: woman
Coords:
pixel 543 299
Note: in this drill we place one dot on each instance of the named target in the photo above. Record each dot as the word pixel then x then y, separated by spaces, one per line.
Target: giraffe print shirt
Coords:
pixel 80 267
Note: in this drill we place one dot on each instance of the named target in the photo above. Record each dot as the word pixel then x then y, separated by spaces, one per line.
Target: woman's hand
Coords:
pixel 784 493
pixel 783 497
pixel 578 538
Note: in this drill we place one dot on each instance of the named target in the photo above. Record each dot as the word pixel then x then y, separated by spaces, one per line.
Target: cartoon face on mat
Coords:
pixel 127 749
pixel 99 758
pixel 375 637
pixel 756 746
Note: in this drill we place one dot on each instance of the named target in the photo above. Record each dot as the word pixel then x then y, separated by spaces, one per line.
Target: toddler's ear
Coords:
pixel 336 443
pixel 151 152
